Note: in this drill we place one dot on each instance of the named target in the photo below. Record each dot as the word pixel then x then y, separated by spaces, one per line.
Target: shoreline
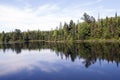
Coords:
pixel 67 41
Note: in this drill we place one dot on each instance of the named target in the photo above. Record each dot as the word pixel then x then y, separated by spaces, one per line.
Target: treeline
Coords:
pixel 90 28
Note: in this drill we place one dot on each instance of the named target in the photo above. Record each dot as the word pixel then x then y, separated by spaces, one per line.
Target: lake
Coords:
pixel 53 61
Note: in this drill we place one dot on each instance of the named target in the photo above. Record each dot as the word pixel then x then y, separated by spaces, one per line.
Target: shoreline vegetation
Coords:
pixel 75 41
pixel 90 30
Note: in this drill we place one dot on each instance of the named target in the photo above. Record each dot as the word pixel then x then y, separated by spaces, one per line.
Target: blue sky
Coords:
pixel 47 14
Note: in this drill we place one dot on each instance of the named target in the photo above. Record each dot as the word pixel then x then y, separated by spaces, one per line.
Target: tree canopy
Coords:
pixel 107 28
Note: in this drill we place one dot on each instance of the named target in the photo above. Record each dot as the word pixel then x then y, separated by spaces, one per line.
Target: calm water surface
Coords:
pixel 43 61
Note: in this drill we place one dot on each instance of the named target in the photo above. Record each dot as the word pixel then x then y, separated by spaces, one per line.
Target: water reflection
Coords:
pixel 90 52
pixel 52 61
pixel 18 62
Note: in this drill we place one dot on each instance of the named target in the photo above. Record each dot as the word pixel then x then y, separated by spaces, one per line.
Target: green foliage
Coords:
pixel 84 31
pixel 108 28
pixel 88 19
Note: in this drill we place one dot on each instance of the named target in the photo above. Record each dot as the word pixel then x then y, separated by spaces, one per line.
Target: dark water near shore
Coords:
pixel 51 61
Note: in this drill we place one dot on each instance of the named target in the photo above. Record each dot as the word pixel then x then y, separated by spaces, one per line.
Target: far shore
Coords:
pixel 67 41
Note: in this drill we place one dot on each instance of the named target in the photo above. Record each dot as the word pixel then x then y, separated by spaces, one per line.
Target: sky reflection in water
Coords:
pixel 47 65
pixel 29 61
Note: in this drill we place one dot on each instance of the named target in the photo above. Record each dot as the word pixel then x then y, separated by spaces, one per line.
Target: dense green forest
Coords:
pixel 89 29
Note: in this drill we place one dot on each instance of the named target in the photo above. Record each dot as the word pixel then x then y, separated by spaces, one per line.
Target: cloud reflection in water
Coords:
pixel 44 60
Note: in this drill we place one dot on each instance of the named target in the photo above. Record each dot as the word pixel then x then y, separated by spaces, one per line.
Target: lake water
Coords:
pixel 45 61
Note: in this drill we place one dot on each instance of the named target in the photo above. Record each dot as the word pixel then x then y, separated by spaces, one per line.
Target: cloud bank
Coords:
pixel 48 16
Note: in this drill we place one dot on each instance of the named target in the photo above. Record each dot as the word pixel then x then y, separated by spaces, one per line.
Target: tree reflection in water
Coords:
pixel 90 52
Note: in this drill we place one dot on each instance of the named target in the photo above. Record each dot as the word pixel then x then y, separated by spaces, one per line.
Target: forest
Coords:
pixel 90 29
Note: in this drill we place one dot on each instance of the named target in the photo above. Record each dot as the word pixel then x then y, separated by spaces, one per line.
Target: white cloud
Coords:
pixel 46 16
pixel 91 3
pixel 29 18
pixel 13 15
